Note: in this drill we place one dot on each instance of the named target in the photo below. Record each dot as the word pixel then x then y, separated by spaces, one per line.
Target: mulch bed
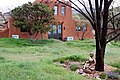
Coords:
pixel 95 74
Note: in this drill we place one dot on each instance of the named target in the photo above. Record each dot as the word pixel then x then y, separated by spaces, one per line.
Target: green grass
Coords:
pixel 21 59
pixel 112 56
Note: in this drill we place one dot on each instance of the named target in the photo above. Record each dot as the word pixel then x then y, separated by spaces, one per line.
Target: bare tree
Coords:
pixel 4 20
pixel 115 22
pixel 98 18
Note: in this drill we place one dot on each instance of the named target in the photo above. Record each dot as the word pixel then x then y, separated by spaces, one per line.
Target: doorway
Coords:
pixel 56 32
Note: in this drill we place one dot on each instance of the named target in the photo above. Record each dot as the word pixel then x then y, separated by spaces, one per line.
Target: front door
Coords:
pixel 56 32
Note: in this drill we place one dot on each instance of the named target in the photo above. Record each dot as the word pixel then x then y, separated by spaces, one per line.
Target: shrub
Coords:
pixel 103 76
pixel 73 67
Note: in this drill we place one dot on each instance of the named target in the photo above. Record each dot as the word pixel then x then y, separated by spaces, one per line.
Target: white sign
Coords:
pixel 69 38
pixel 15 36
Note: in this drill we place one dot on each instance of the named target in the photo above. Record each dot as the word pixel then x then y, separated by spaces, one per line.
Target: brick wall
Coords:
pixel 16 31
pixel 4 33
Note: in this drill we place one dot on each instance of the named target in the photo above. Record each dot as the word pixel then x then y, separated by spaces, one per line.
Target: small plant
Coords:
pixel 117 70
pixel 2 60
pixel 62 60
pixel 21 65
pixel 113 75
pixel 73 67
pixel 76 58
pixel 70 58
pixel 103 76
pixel 56 52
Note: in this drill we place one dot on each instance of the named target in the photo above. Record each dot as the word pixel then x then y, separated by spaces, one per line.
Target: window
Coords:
pixel 63 10
pixel 59 28
pixel 23 29
pixel 54 29
pixel 84 28
pixel 78 28
pixel 55 10
pixel 56 32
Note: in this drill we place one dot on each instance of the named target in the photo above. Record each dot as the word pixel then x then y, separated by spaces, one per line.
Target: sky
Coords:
pixel 6 5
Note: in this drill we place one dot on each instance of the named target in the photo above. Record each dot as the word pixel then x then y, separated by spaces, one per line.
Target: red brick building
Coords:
pixel 66 29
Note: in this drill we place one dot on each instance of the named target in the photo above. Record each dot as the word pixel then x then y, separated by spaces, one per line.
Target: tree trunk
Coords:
pixel 100 50
pixel 41 36
pixel 78 35
pixel 83 33
pixel 31 37
pixel 36 35
pixel 101 37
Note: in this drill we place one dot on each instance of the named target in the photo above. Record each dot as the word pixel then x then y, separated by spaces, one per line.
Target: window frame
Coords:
pixel 55 9
pixel 78 28
pixel 63 11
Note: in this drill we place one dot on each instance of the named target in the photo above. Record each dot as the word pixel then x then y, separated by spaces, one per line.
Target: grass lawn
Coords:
pixel 22 60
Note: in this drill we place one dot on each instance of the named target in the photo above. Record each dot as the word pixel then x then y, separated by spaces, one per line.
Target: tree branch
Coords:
pixel 113 31
pixel 113 17
pixel 118 22
pixel 109 2
pixel 81 10
pixel 78 10
pixel 113 20
pixel 76 5
pixel 101 3
pixel 1 24
pixel 91 9
pixel 85 9
pixel 113 38
pixel 5 20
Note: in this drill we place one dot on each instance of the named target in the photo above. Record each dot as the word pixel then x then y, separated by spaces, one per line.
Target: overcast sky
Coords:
pixel 6 5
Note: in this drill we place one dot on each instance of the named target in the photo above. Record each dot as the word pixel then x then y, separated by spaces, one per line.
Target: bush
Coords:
pixel 73 67
pixel 103 76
